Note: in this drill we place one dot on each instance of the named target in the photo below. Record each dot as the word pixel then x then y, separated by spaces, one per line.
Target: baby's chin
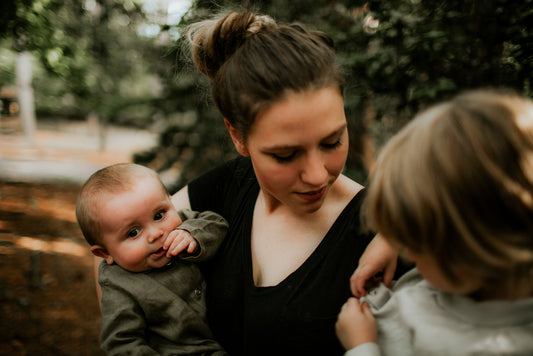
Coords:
pixel 158 259
pixel 158 255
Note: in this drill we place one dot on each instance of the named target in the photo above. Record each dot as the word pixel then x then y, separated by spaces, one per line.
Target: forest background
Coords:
pixel 121 62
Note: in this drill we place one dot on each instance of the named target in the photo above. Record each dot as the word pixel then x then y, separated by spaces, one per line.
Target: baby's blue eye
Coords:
pixel 133 233
pixel 159 215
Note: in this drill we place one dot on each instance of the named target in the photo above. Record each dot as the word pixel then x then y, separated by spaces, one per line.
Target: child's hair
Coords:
pixel 111 180
pixel 457 185
pixel 253 62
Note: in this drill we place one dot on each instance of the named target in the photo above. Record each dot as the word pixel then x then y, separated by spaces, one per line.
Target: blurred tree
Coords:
pixel 405 55
pixel 194 137
pixel 92 53
pixel 15 24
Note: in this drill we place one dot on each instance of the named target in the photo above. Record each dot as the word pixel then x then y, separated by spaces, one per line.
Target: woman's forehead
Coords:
pixel 315 114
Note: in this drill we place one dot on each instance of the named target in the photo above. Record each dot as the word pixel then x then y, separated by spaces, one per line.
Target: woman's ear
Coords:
pixel 237 139
pixel 100 251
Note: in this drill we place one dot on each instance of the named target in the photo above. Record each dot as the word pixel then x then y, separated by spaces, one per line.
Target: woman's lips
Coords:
pixel 313 195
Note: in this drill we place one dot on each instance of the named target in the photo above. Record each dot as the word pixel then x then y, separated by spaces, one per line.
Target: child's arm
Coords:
pixel 200 235
pixel 355 324
pixel 379 256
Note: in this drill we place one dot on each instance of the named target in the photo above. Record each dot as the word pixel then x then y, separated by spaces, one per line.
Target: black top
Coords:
pixel 298 315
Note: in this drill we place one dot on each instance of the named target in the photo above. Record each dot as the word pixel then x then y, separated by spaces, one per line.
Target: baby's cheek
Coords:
pixel 177 220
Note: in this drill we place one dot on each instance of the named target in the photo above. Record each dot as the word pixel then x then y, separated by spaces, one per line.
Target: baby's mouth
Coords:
pixel 159 253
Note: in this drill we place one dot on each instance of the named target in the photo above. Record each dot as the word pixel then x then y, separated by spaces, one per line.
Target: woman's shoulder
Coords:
pixel 233 170
pixel 347 187
pixel 223 187
pixel 346 192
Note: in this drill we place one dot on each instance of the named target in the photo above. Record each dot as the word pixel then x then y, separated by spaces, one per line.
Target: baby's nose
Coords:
pixel 154 234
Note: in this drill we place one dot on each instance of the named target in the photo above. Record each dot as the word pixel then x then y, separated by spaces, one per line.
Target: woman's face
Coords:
pixel 298 148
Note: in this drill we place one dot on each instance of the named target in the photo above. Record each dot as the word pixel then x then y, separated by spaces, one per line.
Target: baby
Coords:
pixel 152 303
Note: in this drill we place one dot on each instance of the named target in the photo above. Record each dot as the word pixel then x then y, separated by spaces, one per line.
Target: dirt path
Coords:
pixel 63 151
pixel 47 292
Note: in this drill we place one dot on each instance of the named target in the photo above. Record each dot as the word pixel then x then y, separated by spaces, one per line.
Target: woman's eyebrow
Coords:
pixel 337 132
pixel 290 147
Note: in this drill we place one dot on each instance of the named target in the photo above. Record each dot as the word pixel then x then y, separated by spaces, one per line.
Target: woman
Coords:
pixel 282 273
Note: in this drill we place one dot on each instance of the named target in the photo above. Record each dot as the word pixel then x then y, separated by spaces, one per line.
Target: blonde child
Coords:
pixel 453 191
pixel 152 303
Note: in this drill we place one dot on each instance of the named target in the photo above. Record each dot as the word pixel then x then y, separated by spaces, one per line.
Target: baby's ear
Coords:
pixel 100 251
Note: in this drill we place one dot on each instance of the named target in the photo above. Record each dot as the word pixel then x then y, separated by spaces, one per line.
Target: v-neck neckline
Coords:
pixel 321 248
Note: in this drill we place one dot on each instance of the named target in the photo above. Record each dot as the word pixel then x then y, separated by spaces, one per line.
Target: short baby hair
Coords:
pixel 114 179
pixel 457 184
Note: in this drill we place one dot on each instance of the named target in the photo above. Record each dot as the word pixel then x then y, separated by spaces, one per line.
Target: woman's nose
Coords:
pixel 314 171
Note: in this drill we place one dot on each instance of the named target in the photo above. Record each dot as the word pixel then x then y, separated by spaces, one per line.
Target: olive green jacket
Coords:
pixel 162 311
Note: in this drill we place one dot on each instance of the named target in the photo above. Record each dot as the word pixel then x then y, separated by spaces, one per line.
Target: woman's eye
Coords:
pixel 133 233
pixel 284 158
pixel 332 145
pixel 159 215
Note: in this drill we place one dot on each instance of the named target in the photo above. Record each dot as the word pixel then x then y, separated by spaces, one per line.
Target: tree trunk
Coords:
pixel 25 94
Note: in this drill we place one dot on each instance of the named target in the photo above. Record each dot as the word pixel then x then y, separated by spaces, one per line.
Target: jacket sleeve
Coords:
pixel 123 324
pixel 208 228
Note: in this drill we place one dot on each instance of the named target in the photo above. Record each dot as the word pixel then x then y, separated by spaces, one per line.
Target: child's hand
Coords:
pixel 355 324
pixel 180 241
pixel 379 256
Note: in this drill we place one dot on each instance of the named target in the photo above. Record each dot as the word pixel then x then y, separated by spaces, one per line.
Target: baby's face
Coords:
pixel 134 225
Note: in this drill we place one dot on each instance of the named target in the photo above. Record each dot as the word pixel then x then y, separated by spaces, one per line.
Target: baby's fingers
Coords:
pixel 170 239
pixel 178 245
pixel 193 246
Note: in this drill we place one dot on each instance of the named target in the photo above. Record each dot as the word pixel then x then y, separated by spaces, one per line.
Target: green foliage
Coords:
pixel 399 56
pixel 194 137
pixel 423 51
pixel 91 58
pixel 7 63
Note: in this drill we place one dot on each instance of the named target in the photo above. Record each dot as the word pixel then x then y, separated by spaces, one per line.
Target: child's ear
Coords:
pixel 237 139
pixel 100 251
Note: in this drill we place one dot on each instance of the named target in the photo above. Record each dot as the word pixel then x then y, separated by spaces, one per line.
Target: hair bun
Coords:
pixel 214 41
pixel 260 22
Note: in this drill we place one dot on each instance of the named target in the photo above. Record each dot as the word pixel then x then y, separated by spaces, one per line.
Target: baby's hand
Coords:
pixel 180 241
pixel 355 324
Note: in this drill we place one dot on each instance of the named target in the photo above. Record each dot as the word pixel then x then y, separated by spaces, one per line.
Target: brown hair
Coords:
pixel 112 180
pixel 253 62
pixel 457 184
